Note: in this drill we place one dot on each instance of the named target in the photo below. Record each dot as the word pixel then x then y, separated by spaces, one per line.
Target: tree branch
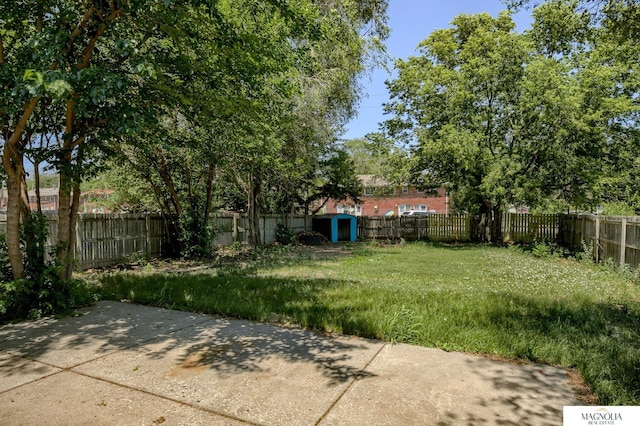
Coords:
pixel 87 53
pixel 82 24
pixel 316 210
pixel 16 136
pixel 1 50
pixel 489 130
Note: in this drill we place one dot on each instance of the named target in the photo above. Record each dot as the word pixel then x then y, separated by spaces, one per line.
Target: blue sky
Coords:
pixel 412 21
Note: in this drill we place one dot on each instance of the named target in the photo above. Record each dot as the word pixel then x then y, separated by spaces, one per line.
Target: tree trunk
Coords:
pixel 36 175
pixel 13 166
pixel 64 250
pixel 496 225
pixel 13 162
pixel 487 224
pixel 254 212
pixel 207 206
pixel 73 219
pixel 163 171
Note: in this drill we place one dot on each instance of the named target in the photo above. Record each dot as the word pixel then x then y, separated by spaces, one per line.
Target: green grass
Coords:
pixel 479 299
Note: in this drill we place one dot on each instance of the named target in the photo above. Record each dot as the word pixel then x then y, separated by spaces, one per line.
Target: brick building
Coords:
pixel 49 200
pixel 379 197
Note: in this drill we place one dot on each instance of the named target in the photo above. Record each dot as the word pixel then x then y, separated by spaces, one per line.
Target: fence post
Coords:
pixel 147 225
pixel 78 248
pixel 623 241
pixel 597 240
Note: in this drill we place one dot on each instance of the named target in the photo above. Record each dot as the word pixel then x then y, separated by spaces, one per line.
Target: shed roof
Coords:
pixel 332 215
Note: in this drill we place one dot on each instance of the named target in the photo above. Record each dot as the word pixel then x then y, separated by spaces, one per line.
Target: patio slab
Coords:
pixel 260 373
pixel 72 399
pixel 96 331
pixel 118 363
pixel 412 385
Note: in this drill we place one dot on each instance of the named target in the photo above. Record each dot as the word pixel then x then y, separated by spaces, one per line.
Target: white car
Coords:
pixel 418 213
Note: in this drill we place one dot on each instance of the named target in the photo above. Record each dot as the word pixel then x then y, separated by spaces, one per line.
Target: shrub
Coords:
pixel 236 246
pixel 284 235
pixel 5 268
pixel 40 292
pixel 196 237
pixel 545 249
pixel 586 253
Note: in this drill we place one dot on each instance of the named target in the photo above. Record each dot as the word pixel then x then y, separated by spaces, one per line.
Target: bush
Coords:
pixel 236 246
pixel 618 208
pixel 284 235
pixel 5 268
pixel 196 237
pixel 544 249
pixel 586 253
pixel 33 299
pixel 40 292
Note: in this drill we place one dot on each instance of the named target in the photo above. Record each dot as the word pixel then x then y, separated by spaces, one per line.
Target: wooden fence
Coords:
pixel 518 228
pixel 234 227
pixel 608 237
pixel 108 239
pixel 412 228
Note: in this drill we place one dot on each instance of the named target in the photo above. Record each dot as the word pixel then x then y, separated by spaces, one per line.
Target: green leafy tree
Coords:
pixel 500 120
pixel 291 147
pixel 366 159
pixel 334 178
pixel 67 70
pixel 102 71
pixel 602 38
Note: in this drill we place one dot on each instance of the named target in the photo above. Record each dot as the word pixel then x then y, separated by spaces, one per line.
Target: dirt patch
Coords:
pixel 328 251
pixel 582 390
pixel 226 258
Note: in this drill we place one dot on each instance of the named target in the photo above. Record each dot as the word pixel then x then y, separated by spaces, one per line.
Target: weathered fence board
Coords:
pixel 609 237
pixel 519 228
pixel 230 228
pixel 106 239
pixel 527 228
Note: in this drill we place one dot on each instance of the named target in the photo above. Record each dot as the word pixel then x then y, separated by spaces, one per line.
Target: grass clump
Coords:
pixel 479 299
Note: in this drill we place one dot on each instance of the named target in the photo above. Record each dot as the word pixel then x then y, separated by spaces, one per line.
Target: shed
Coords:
pixel 336 227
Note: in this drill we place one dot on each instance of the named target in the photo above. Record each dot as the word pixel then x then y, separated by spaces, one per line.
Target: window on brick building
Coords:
pixel 403 208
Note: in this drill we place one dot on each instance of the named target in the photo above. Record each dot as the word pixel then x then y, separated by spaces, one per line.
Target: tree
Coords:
pixel 290 148
pixel 333 178
pixel 501 121
pixel 94 76
pixel 98 70
pixel 366 160
pixel 270 132
pixel 608 64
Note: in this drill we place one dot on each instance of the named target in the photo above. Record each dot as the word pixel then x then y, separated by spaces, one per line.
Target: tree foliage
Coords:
pixel 178 93
pixel 504 118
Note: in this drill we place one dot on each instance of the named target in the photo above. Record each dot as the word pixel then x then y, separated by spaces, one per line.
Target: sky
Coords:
pixel 411 21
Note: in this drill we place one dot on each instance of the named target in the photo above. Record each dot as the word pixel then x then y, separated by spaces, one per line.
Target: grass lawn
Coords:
pixel 480 299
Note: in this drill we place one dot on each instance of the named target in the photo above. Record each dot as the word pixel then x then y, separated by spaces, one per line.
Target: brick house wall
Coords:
pixel 379 198
pixel 49 200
